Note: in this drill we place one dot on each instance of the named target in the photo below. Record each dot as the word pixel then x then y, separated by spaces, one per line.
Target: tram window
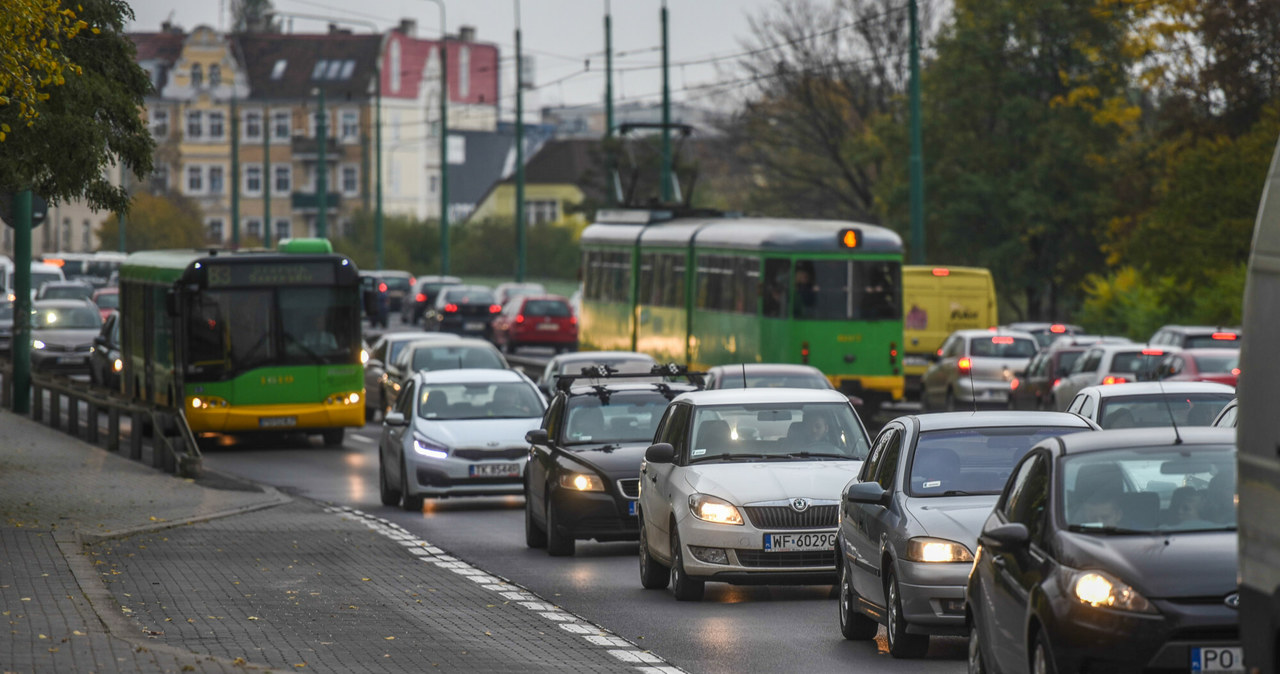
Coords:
pixel 777 286
pixel 648 294
pixel 877 295
pixel 746 279
pixel 669 280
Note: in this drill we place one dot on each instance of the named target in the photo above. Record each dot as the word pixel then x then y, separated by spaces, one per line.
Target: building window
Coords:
pixel 86 235
pixel 350 180
pixel 283 229
pixel 195 129
pixel 284 178
pixel 215 180
pixel 215 75
pixel 253 228
pixel 280 123
pixel 160 123
pixel 215 124
pixel 213 230
pixel 350 125
pixel 252 125
pixel 277 70
pixel 253 179
pixel 542 211
pixel 160 178
pixel 195 180
pixel 197 76
pixel 464 72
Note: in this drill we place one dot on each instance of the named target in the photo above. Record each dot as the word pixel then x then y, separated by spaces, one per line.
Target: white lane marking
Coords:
pixel 635 656
pixel 360 438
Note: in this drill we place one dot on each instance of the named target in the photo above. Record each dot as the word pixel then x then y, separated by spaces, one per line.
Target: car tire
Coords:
pixel 1042 656
pixel 558 545
pixel 534 536
pixel 408 501
pixel 977 664
pixel 950 403
pixel 653 574
pixel 682 586
pixel 390 497
pixel 854 626
pixel 334 437
pixel 901 644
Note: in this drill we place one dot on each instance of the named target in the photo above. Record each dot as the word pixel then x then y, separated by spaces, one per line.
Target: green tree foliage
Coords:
pixel 408 244
pixel 254 16
pixel 156 222
pixel 89 123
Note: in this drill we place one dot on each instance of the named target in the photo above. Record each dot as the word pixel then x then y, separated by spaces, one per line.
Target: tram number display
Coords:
pixel 270 274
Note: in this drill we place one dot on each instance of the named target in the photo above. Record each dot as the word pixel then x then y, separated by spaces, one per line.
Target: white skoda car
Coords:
pixel 742 485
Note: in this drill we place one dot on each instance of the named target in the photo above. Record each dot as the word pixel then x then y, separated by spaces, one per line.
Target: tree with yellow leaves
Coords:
pixel 32 33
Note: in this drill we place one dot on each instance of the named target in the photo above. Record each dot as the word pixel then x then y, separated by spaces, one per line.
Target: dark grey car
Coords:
pixel 909 524
pixel 62 333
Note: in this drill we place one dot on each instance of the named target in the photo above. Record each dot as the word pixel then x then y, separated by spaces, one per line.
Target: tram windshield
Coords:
pixel 848 290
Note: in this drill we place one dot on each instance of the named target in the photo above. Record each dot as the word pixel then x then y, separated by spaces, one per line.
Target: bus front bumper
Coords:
pixel 874 390
pixel 266 418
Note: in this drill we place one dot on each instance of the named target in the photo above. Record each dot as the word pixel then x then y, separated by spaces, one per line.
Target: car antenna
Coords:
pixel 744 375
pixel 1177 437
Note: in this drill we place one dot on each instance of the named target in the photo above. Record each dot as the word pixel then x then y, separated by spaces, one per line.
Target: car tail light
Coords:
pixel 382 287
pixel 573 320
pixel 893 353
pixel 1112 379
pixel 1013 385
pixel 1225 336
pixel 495 308
pixel 451 308
pixel 519 318
pixel 1001 340
pixel 939 352
pixel 1055 381
pixel 413 281
pixel 1235 372
pixel 420 298
pixel 941 271
pixel 1057 329
pixel 804 353
pixel 965 365
pixel 1152 352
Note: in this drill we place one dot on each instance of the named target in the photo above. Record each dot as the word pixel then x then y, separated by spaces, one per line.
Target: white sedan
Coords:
pixel 742 486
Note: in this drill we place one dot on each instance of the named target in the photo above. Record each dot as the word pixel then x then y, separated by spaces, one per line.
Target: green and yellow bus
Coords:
pixel 246 342
pixel 709 290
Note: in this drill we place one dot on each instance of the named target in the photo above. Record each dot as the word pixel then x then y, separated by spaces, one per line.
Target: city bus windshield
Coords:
pixel 235 330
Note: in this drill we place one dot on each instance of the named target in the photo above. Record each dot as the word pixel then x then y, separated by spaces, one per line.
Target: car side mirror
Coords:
pixel 396 419
pixel 537 436
pixel 1011 535
pixel 662 452
pixel 870 493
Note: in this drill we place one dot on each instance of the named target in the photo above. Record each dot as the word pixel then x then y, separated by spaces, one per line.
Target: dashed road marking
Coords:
pixel 617 646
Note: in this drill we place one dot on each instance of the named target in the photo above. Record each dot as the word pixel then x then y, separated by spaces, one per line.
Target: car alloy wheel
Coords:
pixel 853 624
pixel 975 661
pixel 1042 658
pixel 390 497
pixel 901 644
pixel 653 575
pixel 682 586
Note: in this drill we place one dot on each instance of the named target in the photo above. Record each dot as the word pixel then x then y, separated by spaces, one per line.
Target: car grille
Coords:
pixel 483 454
pixel 630 488
pixel 777 560
pixel 785 517
pixel 59 348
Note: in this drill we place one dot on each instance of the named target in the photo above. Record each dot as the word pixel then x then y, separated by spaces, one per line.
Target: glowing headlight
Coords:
pixel 199 403
pixel 364 356
pixel 924 549
pixel 344 398
pixel 711 509
pixel 1096 589
pixel 431 451
pixel 117 365
pixel 37 344
pixel 581 482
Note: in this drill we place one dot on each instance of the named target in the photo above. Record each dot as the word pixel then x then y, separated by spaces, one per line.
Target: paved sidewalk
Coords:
pixel 110 566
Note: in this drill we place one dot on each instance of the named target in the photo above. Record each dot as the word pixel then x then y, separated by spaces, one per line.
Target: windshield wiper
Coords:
pixel 818 455
pixel 727 456
pixel 1091 529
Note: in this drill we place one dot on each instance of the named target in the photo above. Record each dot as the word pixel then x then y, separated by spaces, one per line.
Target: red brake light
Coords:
pixel 495 308
pixel 1235 372
pixel 939 352
pixel 1055 381
pixel 1152 352
pixel 1013 385
pixel 451 308
pixel 804 353
pixel 420 298
pixel 941 271
pixel 965 365
pixel 1001 340
pixel 1225 336
pixel 573 320
pixel 382 287
pixel 519 318
pixel 1111 379
pixel 1057 329
pixel 412 281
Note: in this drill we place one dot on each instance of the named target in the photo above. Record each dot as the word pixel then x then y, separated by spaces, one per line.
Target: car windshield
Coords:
pixel 777 431
pixel 973 460
pixel 65 318
pixel 620 417
pixel 1150 490
pixel 66 293
pixel 458 357
pixel 1003 346
pixel 1222 341
pixel 1218 364
pixel 478 400
pixel 1156 410
pixel 774 380
pixel 108 301
pixel 552 308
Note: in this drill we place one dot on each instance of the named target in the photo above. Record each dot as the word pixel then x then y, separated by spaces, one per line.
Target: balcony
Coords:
pixel 306 201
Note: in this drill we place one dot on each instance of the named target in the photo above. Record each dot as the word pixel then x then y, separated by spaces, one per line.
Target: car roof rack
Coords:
pixel 596 373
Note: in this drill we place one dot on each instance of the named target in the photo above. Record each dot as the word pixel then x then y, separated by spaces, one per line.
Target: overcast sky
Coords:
pixel 560 35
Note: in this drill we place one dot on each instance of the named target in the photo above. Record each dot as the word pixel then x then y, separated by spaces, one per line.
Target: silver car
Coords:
pixel 457 433
pixel 909 523
pixel 572 363
pixel 974 368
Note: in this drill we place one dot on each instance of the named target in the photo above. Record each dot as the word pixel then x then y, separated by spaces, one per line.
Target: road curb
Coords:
pixel 278 498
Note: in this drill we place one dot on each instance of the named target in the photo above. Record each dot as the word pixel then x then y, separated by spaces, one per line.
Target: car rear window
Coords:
pixel 1136 361
pixel 1003 346
pixel 1223 364
pixel 552 308
pixel 1154 411
pixel 469 296
pixel 456 358
pixel 1216 341
pixel 396 282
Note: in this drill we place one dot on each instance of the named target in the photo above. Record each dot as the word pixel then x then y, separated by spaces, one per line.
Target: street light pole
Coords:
pixel 520 233
pixel 666 191
pixel 608 97
pixel 444 139
pixel 915 162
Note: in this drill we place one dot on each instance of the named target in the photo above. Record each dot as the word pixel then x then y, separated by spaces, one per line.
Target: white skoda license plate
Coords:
pixel 800 542
pixel 495 470
pixel 277 422
pixel 1210 659
pixel 473 326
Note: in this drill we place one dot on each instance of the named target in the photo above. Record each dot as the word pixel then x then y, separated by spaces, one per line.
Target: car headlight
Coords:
pixel 364 356
pixel 712 509
pixel 37 344
pixel 926 549
pixel 581 482
pixel 117 365
pixel 206 402
pixel 1102 590
pixel 429 448
pixel 348 398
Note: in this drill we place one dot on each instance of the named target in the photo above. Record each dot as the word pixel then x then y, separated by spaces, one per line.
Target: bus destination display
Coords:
pixel 270 274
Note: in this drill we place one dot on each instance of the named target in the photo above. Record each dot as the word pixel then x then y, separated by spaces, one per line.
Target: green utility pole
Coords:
pixel 266 176
pixel 916 161
pixel 377 159
pixel 520 233
pixel 22 302
pixel 235 171
pixel 121 217
pixel 608 96
pixel 322 173
pixel 666 114
pixel 444 146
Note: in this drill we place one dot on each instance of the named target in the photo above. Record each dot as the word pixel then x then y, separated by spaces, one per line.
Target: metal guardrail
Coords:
pixel 173 445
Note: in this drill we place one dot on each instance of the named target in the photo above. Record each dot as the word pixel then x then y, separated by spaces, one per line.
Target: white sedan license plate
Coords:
pixel 1210 659
pixel 495 470
pixel 806 542
pixel 473 326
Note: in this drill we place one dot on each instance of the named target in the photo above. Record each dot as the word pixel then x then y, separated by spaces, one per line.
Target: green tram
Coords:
pixel 246 342
pixel 710 290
